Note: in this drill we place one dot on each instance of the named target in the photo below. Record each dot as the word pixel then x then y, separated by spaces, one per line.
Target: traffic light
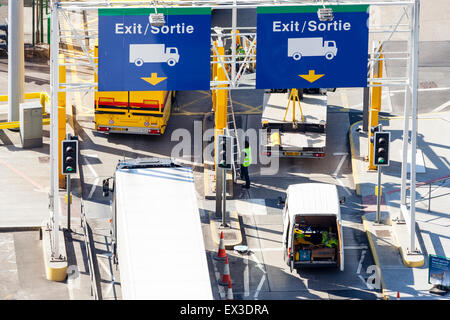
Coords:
pixel 381 148
pixel 224 152
pixel 4 37
pixel 69 156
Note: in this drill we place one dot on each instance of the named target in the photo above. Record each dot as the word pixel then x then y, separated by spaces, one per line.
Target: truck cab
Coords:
pixel 312 226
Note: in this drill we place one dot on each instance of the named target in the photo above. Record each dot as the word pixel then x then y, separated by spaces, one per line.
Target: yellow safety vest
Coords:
pixel 248 157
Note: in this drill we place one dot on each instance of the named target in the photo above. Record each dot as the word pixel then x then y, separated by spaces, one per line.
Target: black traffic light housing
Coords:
pixel 224 152
pixel 69 156
pixel 381 148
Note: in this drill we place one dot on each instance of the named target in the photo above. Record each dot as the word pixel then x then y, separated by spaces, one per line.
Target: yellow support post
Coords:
pixel 375 109
pixel 214 76
pixel 61 119
pixel 294 97
pixel 61 137
pixel 221 100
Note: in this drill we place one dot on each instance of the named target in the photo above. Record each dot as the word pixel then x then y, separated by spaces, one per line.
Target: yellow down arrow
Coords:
pixel 154 79
pixel 311 76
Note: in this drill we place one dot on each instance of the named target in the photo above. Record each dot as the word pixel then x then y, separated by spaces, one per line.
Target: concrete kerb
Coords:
pixel 369 234
pixel 415 261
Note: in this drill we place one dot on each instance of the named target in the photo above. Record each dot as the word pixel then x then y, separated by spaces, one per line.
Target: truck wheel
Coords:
pixel 171 62
pixel 297 56
pixel 329 55
pixel 138 62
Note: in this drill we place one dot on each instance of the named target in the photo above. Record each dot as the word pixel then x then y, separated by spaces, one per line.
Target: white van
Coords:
pixel 312 226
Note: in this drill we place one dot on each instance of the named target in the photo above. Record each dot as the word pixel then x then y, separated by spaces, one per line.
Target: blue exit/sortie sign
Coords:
pixel 297 50
pixel 135 55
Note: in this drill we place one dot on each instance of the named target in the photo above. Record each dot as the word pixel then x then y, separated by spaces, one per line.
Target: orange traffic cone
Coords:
pixel 398 295
pixel 221 255
pixel 230 292
pixel 226 274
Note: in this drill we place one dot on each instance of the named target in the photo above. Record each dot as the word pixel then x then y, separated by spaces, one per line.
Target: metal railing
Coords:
pixel 440 182
pixel 94 289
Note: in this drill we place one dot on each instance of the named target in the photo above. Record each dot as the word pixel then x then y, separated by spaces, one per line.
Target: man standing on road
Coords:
pixel 245 164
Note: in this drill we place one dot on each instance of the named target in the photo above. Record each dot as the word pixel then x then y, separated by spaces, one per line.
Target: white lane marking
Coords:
pixel 355 247
pixel 246 278
pixel 94 186
pixel 365 282
pixel 343 186
pixel 217 274
pixel 339 166
pixel 336 172
pixel 363 255
pixel 94 173
pixel 258 264
pixel 90 166
pixel 442 107
pixel 340 153
pixel 258 289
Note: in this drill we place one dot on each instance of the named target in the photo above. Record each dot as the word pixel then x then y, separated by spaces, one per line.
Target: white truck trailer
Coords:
pixel 156 231
pixel 147 53
pixel 285 138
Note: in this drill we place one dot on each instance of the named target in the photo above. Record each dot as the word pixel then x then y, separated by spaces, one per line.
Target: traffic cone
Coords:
pixel 226 274
pixel 398 295
pixel 230 292
pixel 221 255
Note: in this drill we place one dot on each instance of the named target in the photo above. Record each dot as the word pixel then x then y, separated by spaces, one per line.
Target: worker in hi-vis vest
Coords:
pixel 247 161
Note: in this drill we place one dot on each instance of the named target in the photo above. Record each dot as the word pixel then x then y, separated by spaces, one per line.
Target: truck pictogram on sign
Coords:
pixel 311 47
pixel 147 53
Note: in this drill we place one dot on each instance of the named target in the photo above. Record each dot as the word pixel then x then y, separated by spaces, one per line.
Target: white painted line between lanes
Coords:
pixel 91 169
pixel 364 281
pixel 355 247
pixel 339 166
pixel 442 107
pixel 94 186
pixel 343 186
pixel 246 278
pixel 258 264
pixel 363 254
pixel 340 153
pixel 336 172
pixel 217 274
pixel 258 289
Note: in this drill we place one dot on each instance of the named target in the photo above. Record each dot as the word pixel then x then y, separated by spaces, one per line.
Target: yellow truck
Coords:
pixel 136 112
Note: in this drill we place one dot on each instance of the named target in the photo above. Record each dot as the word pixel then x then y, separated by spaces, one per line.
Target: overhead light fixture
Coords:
pixel 156 19
pixel 325 14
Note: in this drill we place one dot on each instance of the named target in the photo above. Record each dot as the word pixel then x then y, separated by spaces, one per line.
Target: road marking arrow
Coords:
pixel 154 79
pixel 311 76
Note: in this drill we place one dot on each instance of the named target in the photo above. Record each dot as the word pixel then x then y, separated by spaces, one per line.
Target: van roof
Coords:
pixel 313 199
